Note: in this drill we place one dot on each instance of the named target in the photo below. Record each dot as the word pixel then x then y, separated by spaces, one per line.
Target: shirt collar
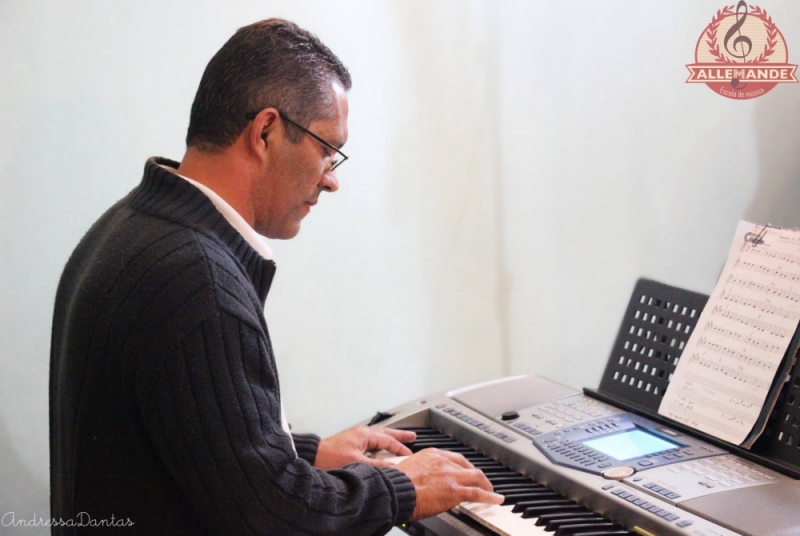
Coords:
pixel 235 219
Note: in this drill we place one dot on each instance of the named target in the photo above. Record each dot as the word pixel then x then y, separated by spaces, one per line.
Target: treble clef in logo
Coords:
pixel 740 41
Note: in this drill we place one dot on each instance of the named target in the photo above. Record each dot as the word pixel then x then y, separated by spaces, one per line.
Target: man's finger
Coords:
pixel 404 436
pixel 381 441
pixel 457 458
pixel 374 462
pixel 475 478
pixel 470 494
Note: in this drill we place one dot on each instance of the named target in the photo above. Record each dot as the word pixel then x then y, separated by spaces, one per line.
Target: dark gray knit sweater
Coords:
pixel 164 397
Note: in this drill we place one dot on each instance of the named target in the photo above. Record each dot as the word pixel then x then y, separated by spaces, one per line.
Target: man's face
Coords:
pixel 295 174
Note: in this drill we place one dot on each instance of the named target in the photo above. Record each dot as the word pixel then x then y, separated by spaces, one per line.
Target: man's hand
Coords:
pixel 352 445
pixel 443 480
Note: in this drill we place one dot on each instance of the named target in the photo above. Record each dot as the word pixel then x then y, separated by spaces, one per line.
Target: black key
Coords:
pixel 421 431
pixel 610 532
pixel 499 472
pixel 586 523
pixel 485 467
pixel 438 442
pixel 545 519
pixel 487 463
pixel 535 511
pixel 514 498
pixel 582 528
pixel 429 435
pixel 519 491
pixel 521 506
pixel 519 479
pixel 519 488
pixel 441 445
pixel 572 519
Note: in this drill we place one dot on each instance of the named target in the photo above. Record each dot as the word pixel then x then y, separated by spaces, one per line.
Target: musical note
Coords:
pixel 765 289
pixel 747 339
pixel 761 306
pixel 730 372
pixel 773 272
pixel 772 254
pixel 759 325
pixel 733 354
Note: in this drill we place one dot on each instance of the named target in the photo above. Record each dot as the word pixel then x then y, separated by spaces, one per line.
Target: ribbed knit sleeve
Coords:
pixel 307 446
pixel 212 411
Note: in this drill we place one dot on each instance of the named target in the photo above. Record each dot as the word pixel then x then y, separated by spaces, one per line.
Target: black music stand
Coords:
pixel 656 326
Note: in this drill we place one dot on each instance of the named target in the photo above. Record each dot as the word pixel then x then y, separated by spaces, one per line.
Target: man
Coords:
pixel 165 404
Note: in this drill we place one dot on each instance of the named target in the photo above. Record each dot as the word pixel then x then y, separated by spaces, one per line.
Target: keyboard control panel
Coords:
pixel 695 478
pixel 560 414
pixel 621 440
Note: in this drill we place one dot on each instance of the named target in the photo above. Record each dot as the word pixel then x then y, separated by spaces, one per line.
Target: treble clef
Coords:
pixel 740 41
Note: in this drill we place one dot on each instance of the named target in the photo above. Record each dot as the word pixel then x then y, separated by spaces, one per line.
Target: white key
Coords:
pixel 501 519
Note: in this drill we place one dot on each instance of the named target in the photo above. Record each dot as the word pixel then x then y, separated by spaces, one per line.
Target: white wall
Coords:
pixel 515 166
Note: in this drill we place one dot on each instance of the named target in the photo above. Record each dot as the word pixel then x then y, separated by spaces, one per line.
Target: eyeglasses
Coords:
pixel 334 163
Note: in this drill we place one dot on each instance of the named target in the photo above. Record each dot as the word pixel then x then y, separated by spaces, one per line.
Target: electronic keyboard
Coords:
pixel 569 464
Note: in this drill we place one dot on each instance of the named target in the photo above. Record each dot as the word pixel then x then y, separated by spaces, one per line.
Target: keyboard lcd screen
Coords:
pixel 629 445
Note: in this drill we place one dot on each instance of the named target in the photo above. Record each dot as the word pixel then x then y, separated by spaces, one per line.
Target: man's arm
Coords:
pixel 214 417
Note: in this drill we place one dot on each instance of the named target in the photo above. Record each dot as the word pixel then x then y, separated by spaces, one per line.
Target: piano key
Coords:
pixel 536 511
pixel 554 524
pixel 611 532
pixel 438 442
pixel 574 529
pixel 499 472
pixel 488 464
pixel 521 506
pixel 535 505
pixel 501 520
pixel 422 431
pixel 519 479
pixel 545 519
pixel 503 489
pixel 470 455
pixel 514 498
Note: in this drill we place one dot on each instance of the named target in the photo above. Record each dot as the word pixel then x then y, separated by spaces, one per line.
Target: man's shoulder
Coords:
pixel 191 260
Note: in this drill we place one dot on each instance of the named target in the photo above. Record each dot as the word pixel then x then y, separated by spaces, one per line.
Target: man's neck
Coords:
pixel 225 175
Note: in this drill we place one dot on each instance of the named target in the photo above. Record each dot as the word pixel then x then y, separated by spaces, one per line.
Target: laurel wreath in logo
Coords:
pixel 755 11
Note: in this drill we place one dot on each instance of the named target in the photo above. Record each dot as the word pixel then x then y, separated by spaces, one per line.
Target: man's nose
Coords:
pixel 329 182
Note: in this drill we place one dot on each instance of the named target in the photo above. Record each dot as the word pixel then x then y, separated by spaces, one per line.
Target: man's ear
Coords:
pixel 262 127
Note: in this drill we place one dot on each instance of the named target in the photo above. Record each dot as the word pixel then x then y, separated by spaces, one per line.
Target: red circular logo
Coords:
pixel 741 54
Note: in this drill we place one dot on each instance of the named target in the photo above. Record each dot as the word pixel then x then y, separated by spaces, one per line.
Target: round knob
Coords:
pixel 509 415
pixel 618 473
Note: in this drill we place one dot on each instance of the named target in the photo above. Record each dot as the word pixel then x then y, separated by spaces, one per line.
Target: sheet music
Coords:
pixel 724 375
